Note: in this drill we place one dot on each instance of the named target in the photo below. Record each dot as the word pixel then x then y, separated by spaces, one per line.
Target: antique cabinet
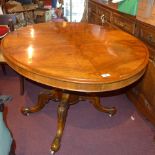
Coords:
pixel 141 93
pixel 97 10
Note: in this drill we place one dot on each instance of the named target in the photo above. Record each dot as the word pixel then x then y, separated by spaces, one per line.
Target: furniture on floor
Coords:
pixel 142 92
pixel 22 9
pixel 7 24
pixel 3 31
pixel 6 142
pixel 28 15
pixel 81 60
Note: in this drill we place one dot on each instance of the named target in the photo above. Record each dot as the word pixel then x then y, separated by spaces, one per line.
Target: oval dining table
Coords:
pixel 78 60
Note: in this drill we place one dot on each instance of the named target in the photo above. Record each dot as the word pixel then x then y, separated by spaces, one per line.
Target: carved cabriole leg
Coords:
pixel 65 100
pixel 43 99
pixel 97 104
pixel 62 114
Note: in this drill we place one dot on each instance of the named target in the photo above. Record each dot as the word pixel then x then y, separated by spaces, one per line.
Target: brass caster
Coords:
pixel 25 111
pixel 56 100
pixel 55 145
pixel 52 152
pixel 110 115
pixel 113 112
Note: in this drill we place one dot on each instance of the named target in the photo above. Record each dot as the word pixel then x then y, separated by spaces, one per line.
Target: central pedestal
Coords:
pixel 65 99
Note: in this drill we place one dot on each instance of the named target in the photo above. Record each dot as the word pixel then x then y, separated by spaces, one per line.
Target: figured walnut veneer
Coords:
pixel 76 56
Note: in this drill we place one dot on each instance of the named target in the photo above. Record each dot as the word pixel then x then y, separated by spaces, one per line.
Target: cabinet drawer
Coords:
pixel 151 53
pixel 147 34
pixel 124 23
pixel 100 11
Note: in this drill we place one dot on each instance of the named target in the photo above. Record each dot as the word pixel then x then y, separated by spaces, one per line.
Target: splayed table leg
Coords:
pixel 62 114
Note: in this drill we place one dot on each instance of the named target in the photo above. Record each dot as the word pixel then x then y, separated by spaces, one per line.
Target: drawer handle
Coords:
pixel 102 19
pixel 150 39
pixel 121 24
pixel 153 59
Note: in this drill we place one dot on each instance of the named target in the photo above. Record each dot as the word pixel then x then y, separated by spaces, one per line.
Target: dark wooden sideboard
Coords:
pixel 142 93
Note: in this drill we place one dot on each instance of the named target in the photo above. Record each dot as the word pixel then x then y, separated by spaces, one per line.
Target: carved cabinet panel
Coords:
pixel 147 34
pixel 125 23
pixel 146 87
pixel 143 93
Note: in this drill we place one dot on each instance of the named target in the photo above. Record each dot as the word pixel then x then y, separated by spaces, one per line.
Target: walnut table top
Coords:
pixel 76 56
